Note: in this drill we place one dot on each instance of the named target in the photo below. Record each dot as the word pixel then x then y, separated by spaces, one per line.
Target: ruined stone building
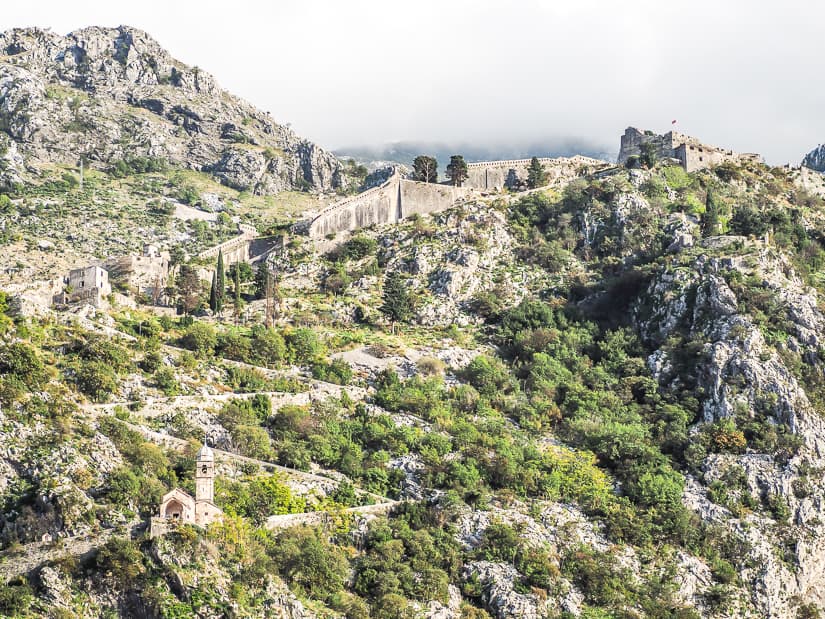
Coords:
pixel 86 285
pixel 691 153
pixel 146 274
pixel 178 507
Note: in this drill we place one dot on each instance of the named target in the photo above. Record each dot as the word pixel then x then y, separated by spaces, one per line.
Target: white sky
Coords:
pixel 745 74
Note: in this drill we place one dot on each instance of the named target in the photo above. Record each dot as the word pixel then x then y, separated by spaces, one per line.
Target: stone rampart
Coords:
pixel 391 202
pixel 496 175
pixel 235 249
pixel 379 205
pixel 399 198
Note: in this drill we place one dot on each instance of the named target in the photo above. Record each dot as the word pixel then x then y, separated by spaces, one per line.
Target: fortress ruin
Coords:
pixel 692 154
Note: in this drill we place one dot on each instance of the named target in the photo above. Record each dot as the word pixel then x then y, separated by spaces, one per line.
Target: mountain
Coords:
pixel 600 398
pixel 815 159
pixel 114 94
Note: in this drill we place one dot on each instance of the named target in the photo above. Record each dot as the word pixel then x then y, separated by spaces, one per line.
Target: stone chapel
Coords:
pixel 178 507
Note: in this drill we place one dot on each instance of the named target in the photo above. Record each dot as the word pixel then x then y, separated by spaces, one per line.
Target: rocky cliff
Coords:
pixel 815 159
pixel 109 94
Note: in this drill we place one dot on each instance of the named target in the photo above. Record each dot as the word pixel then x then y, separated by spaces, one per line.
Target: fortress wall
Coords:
pixel 494 175
pixel 234 250
pixel 423 198
pixel 376 206
pixel 399 198
pixel 394 200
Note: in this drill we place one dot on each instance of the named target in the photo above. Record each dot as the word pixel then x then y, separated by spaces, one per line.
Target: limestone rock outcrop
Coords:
pixel 743 375
pixel 107 94
pixel 815 159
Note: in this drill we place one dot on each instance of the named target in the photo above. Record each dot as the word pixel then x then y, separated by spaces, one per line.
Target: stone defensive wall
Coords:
pixel 236 249
pixel 391 202
pixel 496 175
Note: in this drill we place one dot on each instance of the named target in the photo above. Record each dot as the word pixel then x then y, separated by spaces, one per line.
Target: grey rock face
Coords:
pixel 815 159
pixel 743 374
pixel 112 93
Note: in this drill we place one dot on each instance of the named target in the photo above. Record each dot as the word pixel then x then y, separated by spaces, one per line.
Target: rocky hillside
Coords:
pixel 815 159
pixel 112 96
pixel 602 401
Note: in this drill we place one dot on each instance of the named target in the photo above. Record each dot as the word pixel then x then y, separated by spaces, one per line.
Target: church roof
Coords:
pixel 206 454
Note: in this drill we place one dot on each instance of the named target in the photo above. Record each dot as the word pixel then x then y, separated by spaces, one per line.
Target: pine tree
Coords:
pixel 220 284
pixel 536 176
pixel 189 289
pixel 398 304
pixel 457 170
pixel 425 169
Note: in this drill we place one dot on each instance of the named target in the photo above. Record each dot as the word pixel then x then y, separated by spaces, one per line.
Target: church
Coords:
pixel 178 507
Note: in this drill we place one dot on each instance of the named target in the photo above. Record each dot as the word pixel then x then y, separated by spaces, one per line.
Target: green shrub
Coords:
pixel 165 381
pixel 338 371
pixel 23 362
pixel 304 346
pixel 16 597
pixel 201 339
pixel 96 379
pixel 310 563
pixel 359 247
pixel 488 375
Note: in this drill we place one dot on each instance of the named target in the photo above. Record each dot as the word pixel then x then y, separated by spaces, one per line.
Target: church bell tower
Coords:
pixel 205 475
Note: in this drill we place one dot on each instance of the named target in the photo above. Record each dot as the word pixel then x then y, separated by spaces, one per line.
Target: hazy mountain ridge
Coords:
pixel 405 152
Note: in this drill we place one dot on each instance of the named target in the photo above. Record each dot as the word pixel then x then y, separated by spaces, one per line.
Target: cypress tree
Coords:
pixel 213 294
pixel 711 220
pixel 220 284
pixel 237 285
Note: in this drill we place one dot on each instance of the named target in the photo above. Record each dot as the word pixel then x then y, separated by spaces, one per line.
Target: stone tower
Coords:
pixel 205 475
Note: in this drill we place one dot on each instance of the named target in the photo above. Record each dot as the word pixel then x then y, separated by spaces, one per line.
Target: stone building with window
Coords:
pixel 86 285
